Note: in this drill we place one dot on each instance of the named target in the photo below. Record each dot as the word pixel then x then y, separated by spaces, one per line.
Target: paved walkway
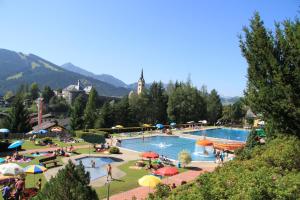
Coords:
pixel 142 192
pixel 53 148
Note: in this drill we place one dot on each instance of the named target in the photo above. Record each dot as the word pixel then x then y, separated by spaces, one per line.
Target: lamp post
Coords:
pixel 108 188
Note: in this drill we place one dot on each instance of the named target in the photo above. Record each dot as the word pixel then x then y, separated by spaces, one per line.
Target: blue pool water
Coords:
pixel 226 133
pixel 170 147
pixel 100 167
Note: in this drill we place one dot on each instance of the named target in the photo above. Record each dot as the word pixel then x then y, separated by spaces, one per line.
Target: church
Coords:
pixel 140 85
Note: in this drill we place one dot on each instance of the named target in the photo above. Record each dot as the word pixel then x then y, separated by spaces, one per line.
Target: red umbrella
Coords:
pixel 150 154
pixel 167 171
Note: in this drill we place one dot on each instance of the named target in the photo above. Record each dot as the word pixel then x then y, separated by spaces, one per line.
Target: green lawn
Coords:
pixel 30 145
pixel 129 181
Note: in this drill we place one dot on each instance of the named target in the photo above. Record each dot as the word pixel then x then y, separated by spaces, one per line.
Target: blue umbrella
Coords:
pixel 159 126
pixel 16 144
pixel 42 131
pixel 173 124
pixel 4 130
pixel 2 160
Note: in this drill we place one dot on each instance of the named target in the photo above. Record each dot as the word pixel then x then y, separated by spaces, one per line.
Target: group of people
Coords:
pixel 220 156
pixel 15 157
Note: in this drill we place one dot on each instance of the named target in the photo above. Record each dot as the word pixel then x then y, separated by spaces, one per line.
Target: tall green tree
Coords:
pixel 47 94
pixel 90 112
pixel 106 118
pixel 158 101
pixel 77 112
pixel 71 182
pixel 273 87
pixel 18 120
pixel 214 107
pixel 34 91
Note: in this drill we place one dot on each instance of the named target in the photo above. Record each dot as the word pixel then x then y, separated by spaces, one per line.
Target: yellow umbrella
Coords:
pixel 146 125
pixel 149 181
pixel 119 126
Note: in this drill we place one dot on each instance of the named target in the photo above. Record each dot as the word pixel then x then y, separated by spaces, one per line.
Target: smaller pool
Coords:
pixel 224 133
pixel 41 154
pixel 100 165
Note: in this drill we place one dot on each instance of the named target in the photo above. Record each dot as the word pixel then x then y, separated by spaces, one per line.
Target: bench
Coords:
pixel 48 160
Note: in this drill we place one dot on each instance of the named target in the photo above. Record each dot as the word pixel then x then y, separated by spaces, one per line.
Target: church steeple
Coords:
pixel 141 83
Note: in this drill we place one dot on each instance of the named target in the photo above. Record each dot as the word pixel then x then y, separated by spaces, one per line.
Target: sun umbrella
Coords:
pixel 119 126
pixel 149 181
pixel 173 124
pixel 42 131
pixel 167 171
pixel 205 142
pixel 159 126
pixel 34 169
pixel 2 160
pixel 150 154
pixel 146 125
pixel 16 144
pixel 11 169
pixel 4 130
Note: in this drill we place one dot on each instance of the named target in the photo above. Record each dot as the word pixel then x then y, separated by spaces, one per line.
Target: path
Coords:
pixel 52 149
pixel 142 192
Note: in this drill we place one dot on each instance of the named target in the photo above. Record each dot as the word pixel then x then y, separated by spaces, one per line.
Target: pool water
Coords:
pixel 170 147
pixel 225 133
pixel 100 166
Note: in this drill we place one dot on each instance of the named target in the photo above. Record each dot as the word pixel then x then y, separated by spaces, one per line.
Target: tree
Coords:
pixel 106 117
pixel 90 109
pixel 58 105
pixel 273 87
pixel 214 107
pixel 77 112
pixel 184 157
pixel 71 182
pixel 34 91
pixel 18 119
pixel 47 94
pixel 158 102
pixel 237 111
pixel 8 95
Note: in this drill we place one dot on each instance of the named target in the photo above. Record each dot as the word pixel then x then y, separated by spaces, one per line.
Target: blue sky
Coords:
pixel 170 39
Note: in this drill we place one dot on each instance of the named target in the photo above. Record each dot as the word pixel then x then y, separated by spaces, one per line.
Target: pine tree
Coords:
pixel 77 113
pixel 90 109
pixel 70 183
pixel 18 119
pixel 106 118
pixel 47 94
pixel 214 107
pixel 273 87
pixel 34 91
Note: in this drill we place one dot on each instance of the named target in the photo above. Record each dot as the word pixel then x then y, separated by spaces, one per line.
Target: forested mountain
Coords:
pixel 102 77
pixel 18 68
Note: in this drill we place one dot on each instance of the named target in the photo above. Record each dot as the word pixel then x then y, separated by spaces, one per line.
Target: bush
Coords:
pixel 93 138
pixel 93 131
pixel 184 157
pixel 161 191
pixel 114 150
pixel 47 140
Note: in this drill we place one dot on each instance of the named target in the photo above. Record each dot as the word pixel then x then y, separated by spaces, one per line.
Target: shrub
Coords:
pixel 184 157
pixel 161 191
pixel 47 140
pixel 114 150
pixel 93 138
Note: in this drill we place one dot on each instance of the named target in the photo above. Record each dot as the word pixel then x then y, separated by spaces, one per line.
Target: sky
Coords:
pixel 169 39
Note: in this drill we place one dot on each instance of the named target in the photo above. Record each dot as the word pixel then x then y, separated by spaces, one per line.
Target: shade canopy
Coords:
pixel 173 124
pixel 205 142
pixel 149 181
pixel 159 126
pixel 42 131
pixel 167 171
pixel 146 125
pixel 2 160
pixel 11 169
pixel 16 144
pixel 34 169
pixel 150 154
pixel 119 126
pixel 4 130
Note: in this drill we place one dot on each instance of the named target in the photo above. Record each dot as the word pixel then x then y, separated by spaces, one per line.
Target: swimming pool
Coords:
pixel 225 133
pixel 100 165
pixel 170 147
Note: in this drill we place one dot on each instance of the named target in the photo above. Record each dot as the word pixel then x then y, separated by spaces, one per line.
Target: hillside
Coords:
pixel 102 77
pixel 18 68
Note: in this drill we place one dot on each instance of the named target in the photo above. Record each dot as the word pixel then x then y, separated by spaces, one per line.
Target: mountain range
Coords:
pixel 18 68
